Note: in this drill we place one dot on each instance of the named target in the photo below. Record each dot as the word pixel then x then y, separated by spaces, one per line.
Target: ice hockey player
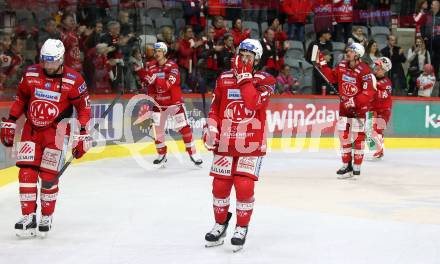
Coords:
pixel 162 79
pixel 356 86
pixel 235 132
pixel 382 103
pixel 46 94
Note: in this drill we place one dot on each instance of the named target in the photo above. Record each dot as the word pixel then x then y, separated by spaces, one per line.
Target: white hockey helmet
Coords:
pixel 253 46
pixel 357 48
pixel 162 46
pixel 384 63
pixel 52 51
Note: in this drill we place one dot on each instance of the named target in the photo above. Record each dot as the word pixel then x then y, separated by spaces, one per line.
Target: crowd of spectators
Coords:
pixel 107 40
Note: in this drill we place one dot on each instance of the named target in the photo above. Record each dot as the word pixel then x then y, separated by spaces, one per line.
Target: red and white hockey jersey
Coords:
pixel 357 83
pixel 165 89
pixel 239 113
pixel 382 98
pixel 46 101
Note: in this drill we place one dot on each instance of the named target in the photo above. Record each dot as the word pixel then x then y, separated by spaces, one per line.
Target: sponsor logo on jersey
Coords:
pixel 47 85
pixel 175 71
pixel 367 77
pixel 32 69
pixel 228 82
pixel 349 89
pixel 72 76
pixel 238 113
pixel 34 81
pixel 26 151
pixel 349 79
pixel 160 75
pixel 82 88
pixel 47 95
pixel 42 113
pixel 51 159
pixel 222 165
pixel 234 94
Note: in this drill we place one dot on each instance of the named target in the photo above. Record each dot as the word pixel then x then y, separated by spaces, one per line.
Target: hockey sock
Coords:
pixel 48 196
pixel 244 189
pixel 28 178
pixel 188 139
pixel 221 190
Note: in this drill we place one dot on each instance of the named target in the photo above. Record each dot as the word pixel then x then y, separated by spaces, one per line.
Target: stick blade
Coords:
pixel 315 51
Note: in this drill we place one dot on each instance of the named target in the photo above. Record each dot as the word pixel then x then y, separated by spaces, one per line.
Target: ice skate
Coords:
pixel 217 235
pixel 378 155
pixel 345 172
pixel 26 226
pixel 45 225
pixel 160 161
pixel 196 159
pixel 239 238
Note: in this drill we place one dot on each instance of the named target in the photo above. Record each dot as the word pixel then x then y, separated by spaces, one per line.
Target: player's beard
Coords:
pixel 55 72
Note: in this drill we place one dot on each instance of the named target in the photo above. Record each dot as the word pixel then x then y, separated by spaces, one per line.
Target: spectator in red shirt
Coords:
pixel 239 33
pixel 216 8
pixel 220 28
pixel 71 41
pixel 297 12
pixel 342 19
pixel 207 64
pixel 420 16
pixel 12 64
pixel 194 13
pixel 186 57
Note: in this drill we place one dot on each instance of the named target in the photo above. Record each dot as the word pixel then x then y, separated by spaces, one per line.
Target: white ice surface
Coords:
pixel 116 211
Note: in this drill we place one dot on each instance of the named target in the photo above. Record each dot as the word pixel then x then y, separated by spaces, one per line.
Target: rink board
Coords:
pixel 295 123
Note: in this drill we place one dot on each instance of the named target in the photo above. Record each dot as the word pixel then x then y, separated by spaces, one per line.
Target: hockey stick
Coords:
pixel 315 55
pixel 48 185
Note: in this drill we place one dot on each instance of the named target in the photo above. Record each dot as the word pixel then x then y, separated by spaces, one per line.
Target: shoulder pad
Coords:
pixel 226 74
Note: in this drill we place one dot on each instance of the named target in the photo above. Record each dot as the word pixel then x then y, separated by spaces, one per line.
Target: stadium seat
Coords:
pixel 296 50
pixel 264 26
pixel 180 24
pixel 174 13
pixel 155 13
pixel 147 26
pixel 154 4
pixel 162 22
pixel 147 39
pixel 380 35
pixel 253 26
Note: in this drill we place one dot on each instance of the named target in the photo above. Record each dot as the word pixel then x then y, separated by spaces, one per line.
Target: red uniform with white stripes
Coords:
pixel 45 101
pixel 239 114
pixel 166 92
pixel 382 104
pixel 359 85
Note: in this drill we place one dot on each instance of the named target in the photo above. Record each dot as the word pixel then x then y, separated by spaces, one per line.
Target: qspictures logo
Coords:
pixel 431 119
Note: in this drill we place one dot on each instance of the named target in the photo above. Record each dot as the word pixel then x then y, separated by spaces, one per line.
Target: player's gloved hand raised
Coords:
pixel 81 143
pixel 7 133
pixel 210 137
pixel 242 70
pixel 349 103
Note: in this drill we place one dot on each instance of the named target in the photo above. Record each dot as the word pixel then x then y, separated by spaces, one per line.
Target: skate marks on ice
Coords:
pixel 402 187
pixel 113 211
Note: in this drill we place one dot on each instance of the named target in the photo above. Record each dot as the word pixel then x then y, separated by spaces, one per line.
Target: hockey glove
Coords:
pixel 242 71
pixel 349 103
pixel 81 143
pixel 7 133
pixel 210 137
